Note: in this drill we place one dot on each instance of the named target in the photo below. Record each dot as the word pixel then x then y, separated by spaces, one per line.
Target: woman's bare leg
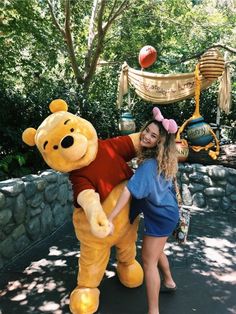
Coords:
pixel 151 252
pixel 164 267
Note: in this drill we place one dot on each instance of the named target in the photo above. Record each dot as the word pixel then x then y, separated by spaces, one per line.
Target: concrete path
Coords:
pixel 41 279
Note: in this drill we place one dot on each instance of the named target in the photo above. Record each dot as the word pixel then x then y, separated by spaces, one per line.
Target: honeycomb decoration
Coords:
pixel 211 64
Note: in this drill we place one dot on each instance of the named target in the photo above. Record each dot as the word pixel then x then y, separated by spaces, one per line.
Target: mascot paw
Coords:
pixel 100 226
pixel 131 275
pixel 84 300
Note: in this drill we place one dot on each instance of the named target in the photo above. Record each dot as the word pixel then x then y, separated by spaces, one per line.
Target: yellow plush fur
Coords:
pixel 68 142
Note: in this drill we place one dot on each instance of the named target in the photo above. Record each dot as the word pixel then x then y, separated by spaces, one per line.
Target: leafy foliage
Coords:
pixel 15 165
pixel 35 66
pixel 100 106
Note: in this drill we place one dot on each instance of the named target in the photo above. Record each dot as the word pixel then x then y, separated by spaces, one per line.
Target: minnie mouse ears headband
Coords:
pixel 169 124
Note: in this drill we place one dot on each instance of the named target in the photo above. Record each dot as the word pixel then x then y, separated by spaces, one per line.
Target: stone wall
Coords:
pixel 208 186
pixel 31 208
pixel 34 206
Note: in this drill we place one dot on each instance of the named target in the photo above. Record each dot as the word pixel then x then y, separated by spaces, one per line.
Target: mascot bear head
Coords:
pixel 65 141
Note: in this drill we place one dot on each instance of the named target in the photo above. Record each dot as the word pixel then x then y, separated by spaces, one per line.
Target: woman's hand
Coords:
pixel 122 200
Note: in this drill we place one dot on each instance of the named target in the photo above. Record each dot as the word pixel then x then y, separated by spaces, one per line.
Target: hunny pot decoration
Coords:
pixel 198 132
pixel 182 150
pixel 211 64
pixel 127 123
pixel 200 136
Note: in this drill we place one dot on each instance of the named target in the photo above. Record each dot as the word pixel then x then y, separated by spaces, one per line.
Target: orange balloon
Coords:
pixel 147 56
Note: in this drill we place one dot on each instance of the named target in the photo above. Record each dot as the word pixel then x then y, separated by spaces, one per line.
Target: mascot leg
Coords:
pixel 92 265
pixel 129 270
pixel 93 260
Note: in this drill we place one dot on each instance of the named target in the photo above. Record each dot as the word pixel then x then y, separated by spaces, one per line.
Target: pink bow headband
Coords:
pixel 169 124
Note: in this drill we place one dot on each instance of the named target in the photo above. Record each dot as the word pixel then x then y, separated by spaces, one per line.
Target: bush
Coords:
pixel 18 112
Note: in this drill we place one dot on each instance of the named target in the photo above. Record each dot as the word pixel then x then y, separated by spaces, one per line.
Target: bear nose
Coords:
pixel 67 141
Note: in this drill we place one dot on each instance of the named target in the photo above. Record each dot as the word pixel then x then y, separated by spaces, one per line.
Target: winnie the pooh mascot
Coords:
pixel 98 170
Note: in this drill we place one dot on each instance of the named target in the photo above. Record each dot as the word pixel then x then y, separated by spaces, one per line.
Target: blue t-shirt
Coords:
pixel 153 195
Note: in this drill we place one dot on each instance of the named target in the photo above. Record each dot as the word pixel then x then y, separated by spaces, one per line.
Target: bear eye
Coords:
pixel 45 144
pixel 55 147
pixel 72 130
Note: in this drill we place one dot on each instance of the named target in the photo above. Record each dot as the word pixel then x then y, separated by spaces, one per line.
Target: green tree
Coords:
pixel 75 49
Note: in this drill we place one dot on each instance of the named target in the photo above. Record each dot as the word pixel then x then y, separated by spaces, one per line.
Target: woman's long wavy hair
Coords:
pixel 165 152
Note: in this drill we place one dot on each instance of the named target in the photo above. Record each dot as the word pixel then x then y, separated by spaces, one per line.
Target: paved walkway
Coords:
pixel 41 279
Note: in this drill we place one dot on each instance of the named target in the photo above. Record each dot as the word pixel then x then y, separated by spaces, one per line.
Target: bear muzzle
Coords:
pixel 67 141
pixel 74 147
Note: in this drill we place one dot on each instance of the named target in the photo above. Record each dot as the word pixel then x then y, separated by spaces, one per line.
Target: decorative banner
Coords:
pixel 158 88
pixel 224 99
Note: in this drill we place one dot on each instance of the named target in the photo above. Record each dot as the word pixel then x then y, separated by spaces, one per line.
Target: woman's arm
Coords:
pixel 122 200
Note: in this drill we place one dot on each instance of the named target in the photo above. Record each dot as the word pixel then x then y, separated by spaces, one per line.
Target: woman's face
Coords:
pixel 150 136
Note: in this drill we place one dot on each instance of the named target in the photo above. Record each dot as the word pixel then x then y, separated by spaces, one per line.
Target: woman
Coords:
pixel 151 188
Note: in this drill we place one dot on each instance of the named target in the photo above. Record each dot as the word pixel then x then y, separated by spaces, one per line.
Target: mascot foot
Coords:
pixel 131 275
pixel 84 300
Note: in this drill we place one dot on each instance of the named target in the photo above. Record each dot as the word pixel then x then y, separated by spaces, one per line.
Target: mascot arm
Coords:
pixel 89 200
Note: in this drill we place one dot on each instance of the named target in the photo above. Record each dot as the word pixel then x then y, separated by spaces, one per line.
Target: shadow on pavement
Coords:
pixel 41 279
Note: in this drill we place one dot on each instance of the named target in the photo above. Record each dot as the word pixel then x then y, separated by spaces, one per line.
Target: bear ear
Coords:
pixel 28 136
pixel 58 105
